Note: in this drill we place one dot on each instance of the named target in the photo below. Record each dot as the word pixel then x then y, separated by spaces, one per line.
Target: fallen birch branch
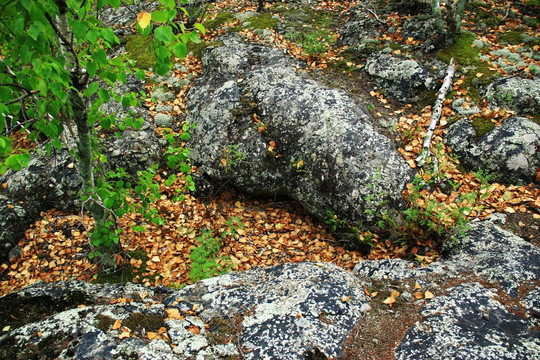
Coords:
pixel 435 116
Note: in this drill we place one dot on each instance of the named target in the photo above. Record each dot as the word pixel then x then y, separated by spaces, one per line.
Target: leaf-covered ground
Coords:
pixel 278 231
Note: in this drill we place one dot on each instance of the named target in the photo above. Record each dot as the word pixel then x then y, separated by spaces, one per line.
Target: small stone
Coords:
pixel 163 120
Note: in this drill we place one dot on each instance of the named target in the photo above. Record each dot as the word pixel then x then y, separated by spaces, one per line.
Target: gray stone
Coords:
pixel 486 307
pixel 162 93
pixel 361 26
pixel 510 152
pixel 163 120
pixel 285 311
pixel 469 323
pixel 402 78
pixel 164 107
pixel 517 94
pixel 348 166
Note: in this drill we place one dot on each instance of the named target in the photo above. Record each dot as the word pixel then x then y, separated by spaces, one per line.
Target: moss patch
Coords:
pixel 149 322
pixel 262 21
pixel 197 48
pixel 138 49
pixel 461 50
pixel 482 126
pixel 219 20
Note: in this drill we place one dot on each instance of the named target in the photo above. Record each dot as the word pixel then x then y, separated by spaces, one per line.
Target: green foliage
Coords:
pixel 313 43
pixel 233 157
pixel 206 261
pixel 56 72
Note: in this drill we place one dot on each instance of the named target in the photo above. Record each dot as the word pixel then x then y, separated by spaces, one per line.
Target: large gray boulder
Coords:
pixel 511 152
pixel 327 153
pixel 517 94
pixel 485 306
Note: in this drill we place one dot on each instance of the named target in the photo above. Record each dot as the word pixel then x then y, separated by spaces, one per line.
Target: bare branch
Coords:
pixel 436 114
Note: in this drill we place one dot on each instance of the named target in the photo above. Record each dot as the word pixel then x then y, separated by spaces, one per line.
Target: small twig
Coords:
pixel 376 17
pixel 507 12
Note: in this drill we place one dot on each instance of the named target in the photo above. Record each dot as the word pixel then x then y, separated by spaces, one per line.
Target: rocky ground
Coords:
pixel 353 47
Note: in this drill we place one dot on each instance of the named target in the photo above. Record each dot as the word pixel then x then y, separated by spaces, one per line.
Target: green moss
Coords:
pixel 536 119
pixel 461 50
pixel 511 37
pixel 220 19
pixel 197 48
pixel 482 126
pixel 137 48
pixel 104 322
pixel 149 322
pixel 262 21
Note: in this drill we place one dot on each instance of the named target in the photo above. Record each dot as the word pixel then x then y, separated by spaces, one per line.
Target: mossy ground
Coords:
pixel 262 21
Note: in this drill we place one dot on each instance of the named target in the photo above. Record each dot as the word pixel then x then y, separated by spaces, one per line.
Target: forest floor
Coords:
pixel 278 231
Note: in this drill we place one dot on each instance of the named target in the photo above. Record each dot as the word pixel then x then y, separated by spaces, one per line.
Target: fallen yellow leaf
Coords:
pixel 117 325
pixel 428 295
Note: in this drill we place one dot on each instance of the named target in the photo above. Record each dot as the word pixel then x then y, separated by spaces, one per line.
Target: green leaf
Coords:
pixel 105 123
pixel 100 56
pixel 109 36
pixel 79 28
pixel 91 68
pixel 92 88
pixel 201 28
pixel 92 36
pixel 160 16
pixel 162 69
pixel 3 143
pixel 108 202
pixel 180 50
pixel 102 158
pixel 140 74
pixel 164 34
pixel 104 95
pixel 194 36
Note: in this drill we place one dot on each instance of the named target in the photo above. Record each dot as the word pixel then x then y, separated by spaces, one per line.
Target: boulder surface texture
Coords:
pixel 486 306
pixel 511 152
pixel 267 130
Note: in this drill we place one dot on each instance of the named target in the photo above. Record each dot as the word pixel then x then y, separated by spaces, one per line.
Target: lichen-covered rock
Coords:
pixel 511 152
pixel 469 320
pixel 402 78
pixel 485 307
pixel 469 323
pixel 283 312
pixel 360 26
pixel 517 94
pixel 268 130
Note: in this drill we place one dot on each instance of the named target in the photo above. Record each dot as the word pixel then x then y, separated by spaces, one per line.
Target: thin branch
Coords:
pixel 376 16
pixel 436 114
